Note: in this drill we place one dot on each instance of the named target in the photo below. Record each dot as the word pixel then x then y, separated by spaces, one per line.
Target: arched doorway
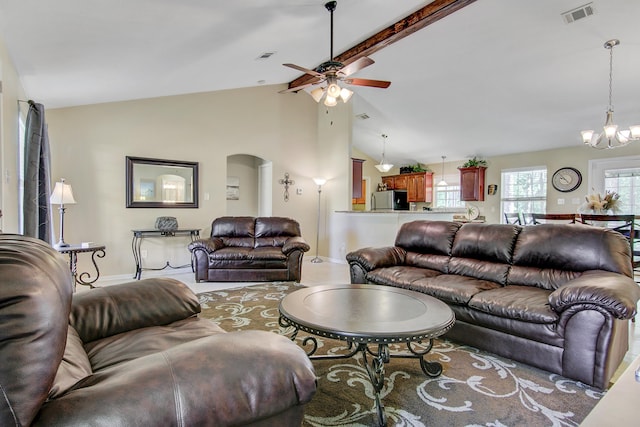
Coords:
pixel 249 185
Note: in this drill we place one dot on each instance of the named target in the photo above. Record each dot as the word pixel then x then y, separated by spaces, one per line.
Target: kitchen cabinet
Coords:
pixel 356 166
pixel 361 200
pixel 420 187
pixel 388 181
pixel 400 182
pixel 395 182
pixel 472 184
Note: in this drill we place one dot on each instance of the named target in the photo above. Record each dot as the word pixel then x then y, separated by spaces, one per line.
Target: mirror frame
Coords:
pixel 131 179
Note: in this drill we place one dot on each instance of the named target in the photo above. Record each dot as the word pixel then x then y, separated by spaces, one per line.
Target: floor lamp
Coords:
pixel 319 182
pixel 62 195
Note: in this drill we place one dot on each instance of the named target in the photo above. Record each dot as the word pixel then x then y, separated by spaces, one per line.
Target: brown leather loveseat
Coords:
pixel 555 296
pixel 134 354
pixel 248 249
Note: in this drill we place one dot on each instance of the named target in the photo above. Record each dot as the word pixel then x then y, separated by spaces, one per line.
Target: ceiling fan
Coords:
pixel 331 72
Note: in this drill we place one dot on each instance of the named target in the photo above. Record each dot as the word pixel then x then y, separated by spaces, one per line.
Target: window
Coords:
pixel 524 191
pixel 619 174
pixel 448 196
pixel 625 182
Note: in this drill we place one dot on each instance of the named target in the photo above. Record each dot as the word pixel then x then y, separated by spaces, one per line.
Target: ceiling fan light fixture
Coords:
pixel 317 94
pixel 346 95
pixel 333 89
pixel 330 101
pixel 611 137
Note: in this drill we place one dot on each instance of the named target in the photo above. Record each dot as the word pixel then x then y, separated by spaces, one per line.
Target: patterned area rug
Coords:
pixel 476 388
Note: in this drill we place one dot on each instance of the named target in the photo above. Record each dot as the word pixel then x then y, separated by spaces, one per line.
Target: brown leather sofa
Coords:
pixel 134 354
pixel 248 249
pixel 555 296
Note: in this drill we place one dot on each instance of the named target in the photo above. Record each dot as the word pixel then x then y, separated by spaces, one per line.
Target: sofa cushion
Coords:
pixel 573 247
pixel 400 276
pixel 74 367
pixel 274 231
pixel 516 302
pixel 453 289
pixel 134 344
pixel 493 243
pixel 430 261
pixel 234 231
pixel 432 237
pixel 545 278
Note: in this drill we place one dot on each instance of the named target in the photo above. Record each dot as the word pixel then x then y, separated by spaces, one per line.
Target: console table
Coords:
pixel 139 235
pixel 83 278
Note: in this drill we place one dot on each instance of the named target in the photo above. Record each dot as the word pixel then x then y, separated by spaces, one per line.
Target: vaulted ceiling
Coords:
pixel 495 77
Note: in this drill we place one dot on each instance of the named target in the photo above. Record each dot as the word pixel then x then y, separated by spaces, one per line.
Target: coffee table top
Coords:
pixel 367 313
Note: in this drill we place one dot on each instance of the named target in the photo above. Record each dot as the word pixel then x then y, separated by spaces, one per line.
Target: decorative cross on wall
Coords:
pixel 286 182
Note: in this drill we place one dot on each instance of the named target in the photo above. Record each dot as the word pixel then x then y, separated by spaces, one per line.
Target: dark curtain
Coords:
pixel 37 175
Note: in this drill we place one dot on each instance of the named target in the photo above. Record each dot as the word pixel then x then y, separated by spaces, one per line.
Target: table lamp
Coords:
pixel 62 195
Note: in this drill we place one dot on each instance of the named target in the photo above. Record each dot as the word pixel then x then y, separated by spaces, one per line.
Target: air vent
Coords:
pixel 265 55
pixel 362 116
pixel 578 13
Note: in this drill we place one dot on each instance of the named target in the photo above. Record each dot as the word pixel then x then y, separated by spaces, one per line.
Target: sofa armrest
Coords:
pixel 209 245
pixel 110 310
pixel 614 292
pixel 225 379
pixel 372 258
pixel 293 244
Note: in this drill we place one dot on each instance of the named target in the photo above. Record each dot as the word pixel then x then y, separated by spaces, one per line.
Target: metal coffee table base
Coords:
pixel 374 365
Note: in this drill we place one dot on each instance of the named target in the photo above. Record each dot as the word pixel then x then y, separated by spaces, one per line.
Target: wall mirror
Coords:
pixel 156 183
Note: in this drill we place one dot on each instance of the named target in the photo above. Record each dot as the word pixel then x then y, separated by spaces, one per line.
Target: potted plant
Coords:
pixel 474 163
pixel 414 168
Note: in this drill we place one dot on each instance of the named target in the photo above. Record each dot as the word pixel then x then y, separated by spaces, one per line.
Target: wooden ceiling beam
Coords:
pixel 408 25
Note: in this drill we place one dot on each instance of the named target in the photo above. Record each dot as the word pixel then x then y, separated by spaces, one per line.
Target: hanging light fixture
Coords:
pixel 384 166
pixel 611 137
pixel 442 182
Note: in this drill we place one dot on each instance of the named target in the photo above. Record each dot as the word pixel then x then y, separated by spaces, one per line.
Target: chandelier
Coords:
pixel 610 137
pixel 384 166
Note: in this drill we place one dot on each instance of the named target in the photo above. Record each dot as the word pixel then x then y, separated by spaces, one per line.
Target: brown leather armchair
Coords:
pixel 248 249
pixel 132 354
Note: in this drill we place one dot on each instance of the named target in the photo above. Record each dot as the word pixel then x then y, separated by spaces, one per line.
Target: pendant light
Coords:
pixel 384 166
pixel 442 182
pixel 610 137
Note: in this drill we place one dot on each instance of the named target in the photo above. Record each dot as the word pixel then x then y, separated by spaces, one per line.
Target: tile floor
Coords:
pixel 326 273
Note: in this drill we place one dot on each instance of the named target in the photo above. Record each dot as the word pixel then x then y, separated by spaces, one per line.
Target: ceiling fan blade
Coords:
pixel 367 82
pixel 297 88
pixel 304 70
pixel 355 66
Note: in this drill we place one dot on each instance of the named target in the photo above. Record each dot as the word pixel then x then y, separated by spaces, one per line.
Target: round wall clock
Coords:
pixel 566 179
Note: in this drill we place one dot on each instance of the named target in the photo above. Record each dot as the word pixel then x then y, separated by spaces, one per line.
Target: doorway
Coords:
pixel 249 187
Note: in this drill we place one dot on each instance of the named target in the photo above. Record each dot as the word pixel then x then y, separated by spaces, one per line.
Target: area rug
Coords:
pixel 476 388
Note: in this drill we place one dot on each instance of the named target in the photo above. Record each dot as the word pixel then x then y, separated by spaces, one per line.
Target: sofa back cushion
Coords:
pixel 234 230
pixel 274 231
pixel 427 237
pixel 484 251
pixel 560 252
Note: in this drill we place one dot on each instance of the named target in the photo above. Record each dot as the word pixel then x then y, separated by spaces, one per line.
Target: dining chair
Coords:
pixel 540 218
pixel 513 218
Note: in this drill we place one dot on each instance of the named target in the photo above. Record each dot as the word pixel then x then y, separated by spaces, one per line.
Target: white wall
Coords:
pixel 9 141
pixel 89 145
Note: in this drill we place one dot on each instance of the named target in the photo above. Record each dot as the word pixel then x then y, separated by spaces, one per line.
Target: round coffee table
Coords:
pixel 365 315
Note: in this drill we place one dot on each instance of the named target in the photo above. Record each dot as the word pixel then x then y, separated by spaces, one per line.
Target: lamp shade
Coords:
pixel 62 194
pixel 319 181
pixel 384 167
